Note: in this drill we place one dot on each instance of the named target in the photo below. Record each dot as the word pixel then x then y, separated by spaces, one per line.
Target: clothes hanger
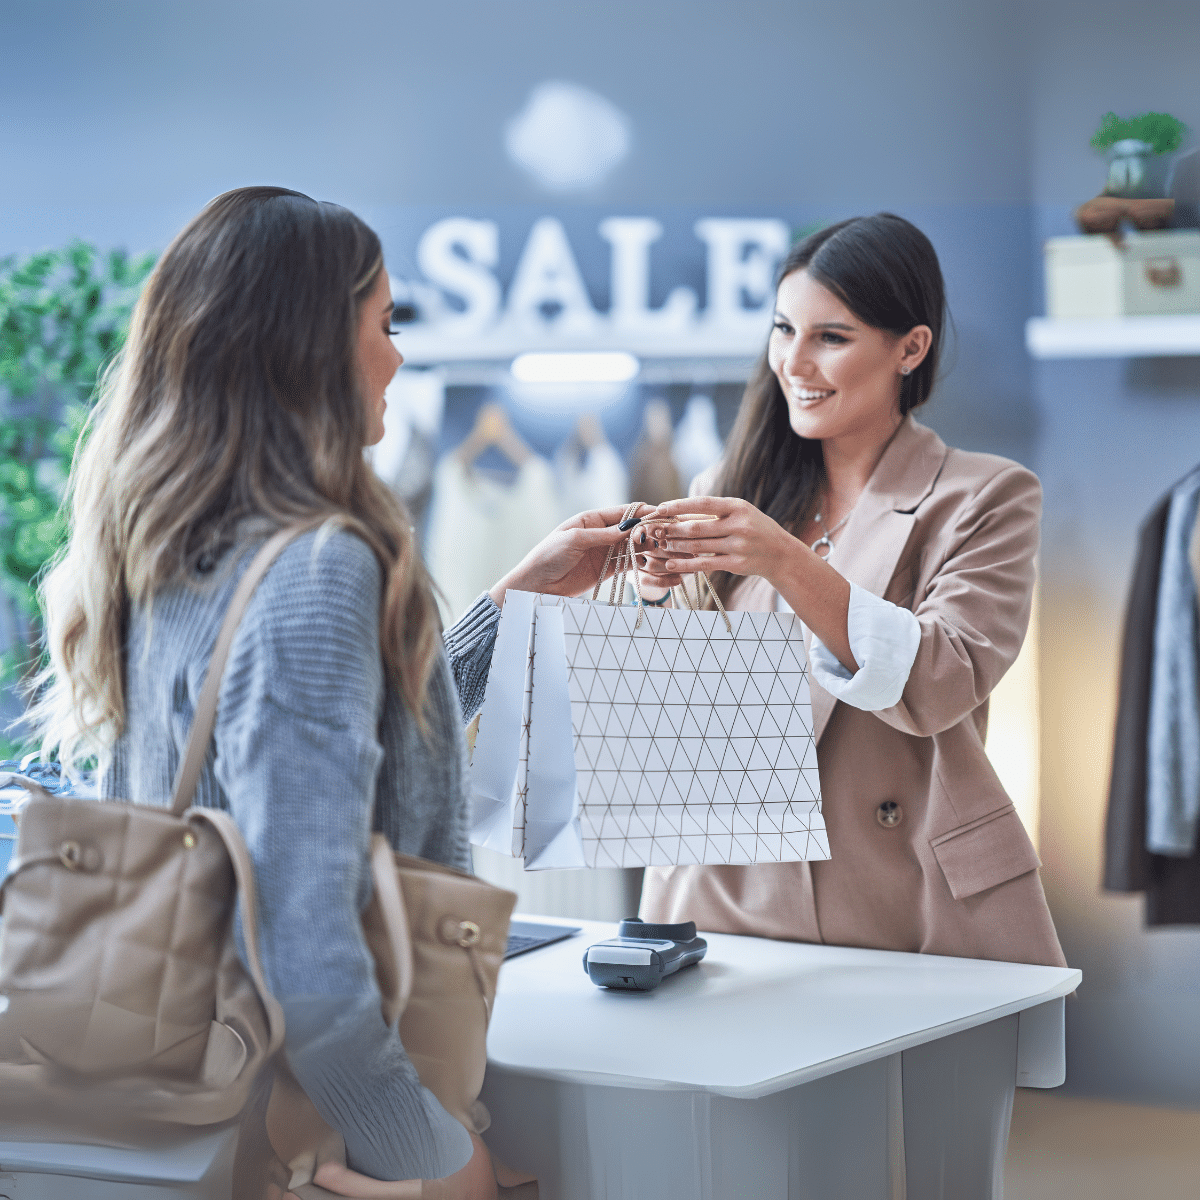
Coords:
pixel 493 429
pixel 587 434
pixel 657 427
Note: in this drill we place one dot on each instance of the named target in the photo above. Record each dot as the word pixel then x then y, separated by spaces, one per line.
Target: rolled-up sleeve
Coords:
pixel 884 639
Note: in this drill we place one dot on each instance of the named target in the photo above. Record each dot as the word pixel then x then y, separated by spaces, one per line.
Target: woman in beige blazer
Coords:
pixel 911 566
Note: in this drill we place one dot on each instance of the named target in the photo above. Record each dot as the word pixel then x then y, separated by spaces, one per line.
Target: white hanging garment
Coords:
pixel 415 403
pixel 406 456
pixel 479 529
pixel 590 478
pixel 654 476
pixel 413 480
pixel 697 444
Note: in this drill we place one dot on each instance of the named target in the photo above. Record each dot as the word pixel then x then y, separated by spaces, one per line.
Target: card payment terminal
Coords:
pixel 643 954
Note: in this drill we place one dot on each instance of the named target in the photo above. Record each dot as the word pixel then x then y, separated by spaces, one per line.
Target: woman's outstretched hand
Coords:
pixel 569 560
pixel 734 537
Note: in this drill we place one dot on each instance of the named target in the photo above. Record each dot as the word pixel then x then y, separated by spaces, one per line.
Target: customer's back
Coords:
pixel 252 381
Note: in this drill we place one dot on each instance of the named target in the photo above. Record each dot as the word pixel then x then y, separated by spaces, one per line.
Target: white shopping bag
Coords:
pixel 513 754
pixel 500 756
pixel 685 740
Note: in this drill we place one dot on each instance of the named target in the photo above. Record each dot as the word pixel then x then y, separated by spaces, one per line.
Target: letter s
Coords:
pixel 456 254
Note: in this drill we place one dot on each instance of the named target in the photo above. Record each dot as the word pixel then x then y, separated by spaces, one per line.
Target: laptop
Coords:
pixel 524 936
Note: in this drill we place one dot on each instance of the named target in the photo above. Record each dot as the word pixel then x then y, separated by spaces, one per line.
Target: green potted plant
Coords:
pixel 63 316
pixel 1137 148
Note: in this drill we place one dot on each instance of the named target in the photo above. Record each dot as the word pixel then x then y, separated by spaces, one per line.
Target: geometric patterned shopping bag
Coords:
pixel 692 736
pixel 679 738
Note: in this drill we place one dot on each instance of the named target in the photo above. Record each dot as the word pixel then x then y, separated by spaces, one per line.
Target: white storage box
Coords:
pixel 1153 272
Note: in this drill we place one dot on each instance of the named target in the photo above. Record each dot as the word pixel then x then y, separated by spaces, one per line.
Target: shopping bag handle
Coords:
pixel 625 564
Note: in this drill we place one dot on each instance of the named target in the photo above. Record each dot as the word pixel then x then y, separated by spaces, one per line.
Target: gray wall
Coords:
pixel 119 120
pixel 1113 436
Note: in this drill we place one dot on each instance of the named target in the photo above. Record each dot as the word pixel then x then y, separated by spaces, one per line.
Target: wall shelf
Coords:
pixel 1113 337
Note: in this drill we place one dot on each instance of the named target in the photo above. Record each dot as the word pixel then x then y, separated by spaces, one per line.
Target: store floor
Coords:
pixel 1063 1148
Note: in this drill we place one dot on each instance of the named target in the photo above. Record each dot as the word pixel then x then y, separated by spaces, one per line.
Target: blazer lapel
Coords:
pixel 882 521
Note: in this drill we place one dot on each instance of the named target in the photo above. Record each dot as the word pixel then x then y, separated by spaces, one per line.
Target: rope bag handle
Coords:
pixel 625 563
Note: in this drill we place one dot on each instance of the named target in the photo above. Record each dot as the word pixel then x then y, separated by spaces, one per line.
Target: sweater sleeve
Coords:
pixel 297 755
pixel 469 645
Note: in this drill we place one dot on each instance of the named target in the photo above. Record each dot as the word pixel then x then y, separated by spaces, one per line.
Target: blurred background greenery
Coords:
pixel 64 315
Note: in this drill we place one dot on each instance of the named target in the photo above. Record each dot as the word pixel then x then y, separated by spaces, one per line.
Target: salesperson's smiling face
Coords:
pixel 840 377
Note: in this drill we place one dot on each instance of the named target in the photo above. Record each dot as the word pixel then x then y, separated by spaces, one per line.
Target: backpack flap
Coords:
pixel 115 919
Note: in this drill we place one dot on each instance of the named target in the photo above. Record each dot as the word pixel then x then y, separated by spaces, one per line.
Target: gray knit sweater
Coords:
pixel 314 750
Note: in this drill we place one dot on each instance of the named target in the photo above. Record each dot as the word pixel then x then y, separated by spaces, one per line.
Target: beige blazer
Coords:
pixel 927 852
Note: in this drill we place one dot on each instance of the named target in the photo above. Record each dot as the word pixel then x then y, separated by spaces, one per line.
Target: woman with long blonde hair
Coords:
pixel 252 380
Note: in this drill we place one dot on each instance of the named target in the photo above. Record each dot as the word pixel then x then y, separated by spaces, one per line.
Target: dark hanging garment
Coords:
pixel 1172 885
pixel 1126 860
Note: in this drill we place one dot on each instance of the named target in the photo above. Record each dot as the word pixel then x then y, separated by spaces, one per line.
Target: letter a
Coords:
pixel 547 290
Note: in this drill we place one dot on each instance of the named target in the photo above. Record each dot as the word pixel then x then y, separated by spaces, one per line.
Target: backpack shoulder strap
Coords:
pixel 205 719
pixel 243 872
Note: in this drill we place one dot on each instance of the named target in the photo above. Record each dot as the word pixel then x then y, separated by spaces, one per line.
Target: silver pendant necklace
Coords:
pixel 826 538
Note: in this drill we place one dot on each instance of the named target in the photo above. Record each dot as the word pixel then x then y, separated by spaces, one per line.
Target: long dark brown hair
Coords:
pixel 886 272
pixel 236 399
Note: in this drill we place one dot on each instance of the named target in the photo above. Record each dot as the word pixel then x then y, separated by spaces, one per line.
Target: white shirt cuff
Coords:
pixel 884 639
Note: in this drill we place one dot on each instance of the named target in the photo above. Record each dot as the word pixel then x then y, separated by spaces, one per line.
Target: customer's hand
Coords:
pixel 569 560
pixel 476 1181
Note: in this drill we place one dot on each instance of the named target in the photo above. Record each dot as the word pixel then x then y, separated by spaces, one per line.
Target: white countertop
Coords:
pixel 755 1017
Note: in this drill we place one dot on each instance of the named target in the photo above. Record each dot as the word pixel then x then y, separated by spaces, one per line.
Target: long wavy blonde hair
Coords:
pixel 236 397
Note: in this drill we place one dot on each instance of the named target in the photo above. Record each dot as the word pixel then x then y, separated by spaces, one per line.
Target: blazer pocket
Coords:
pixel 983 853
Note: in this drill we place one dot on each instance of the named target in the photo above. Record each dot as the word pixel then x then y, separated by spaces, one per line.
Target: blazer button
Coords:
pixel 889 814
